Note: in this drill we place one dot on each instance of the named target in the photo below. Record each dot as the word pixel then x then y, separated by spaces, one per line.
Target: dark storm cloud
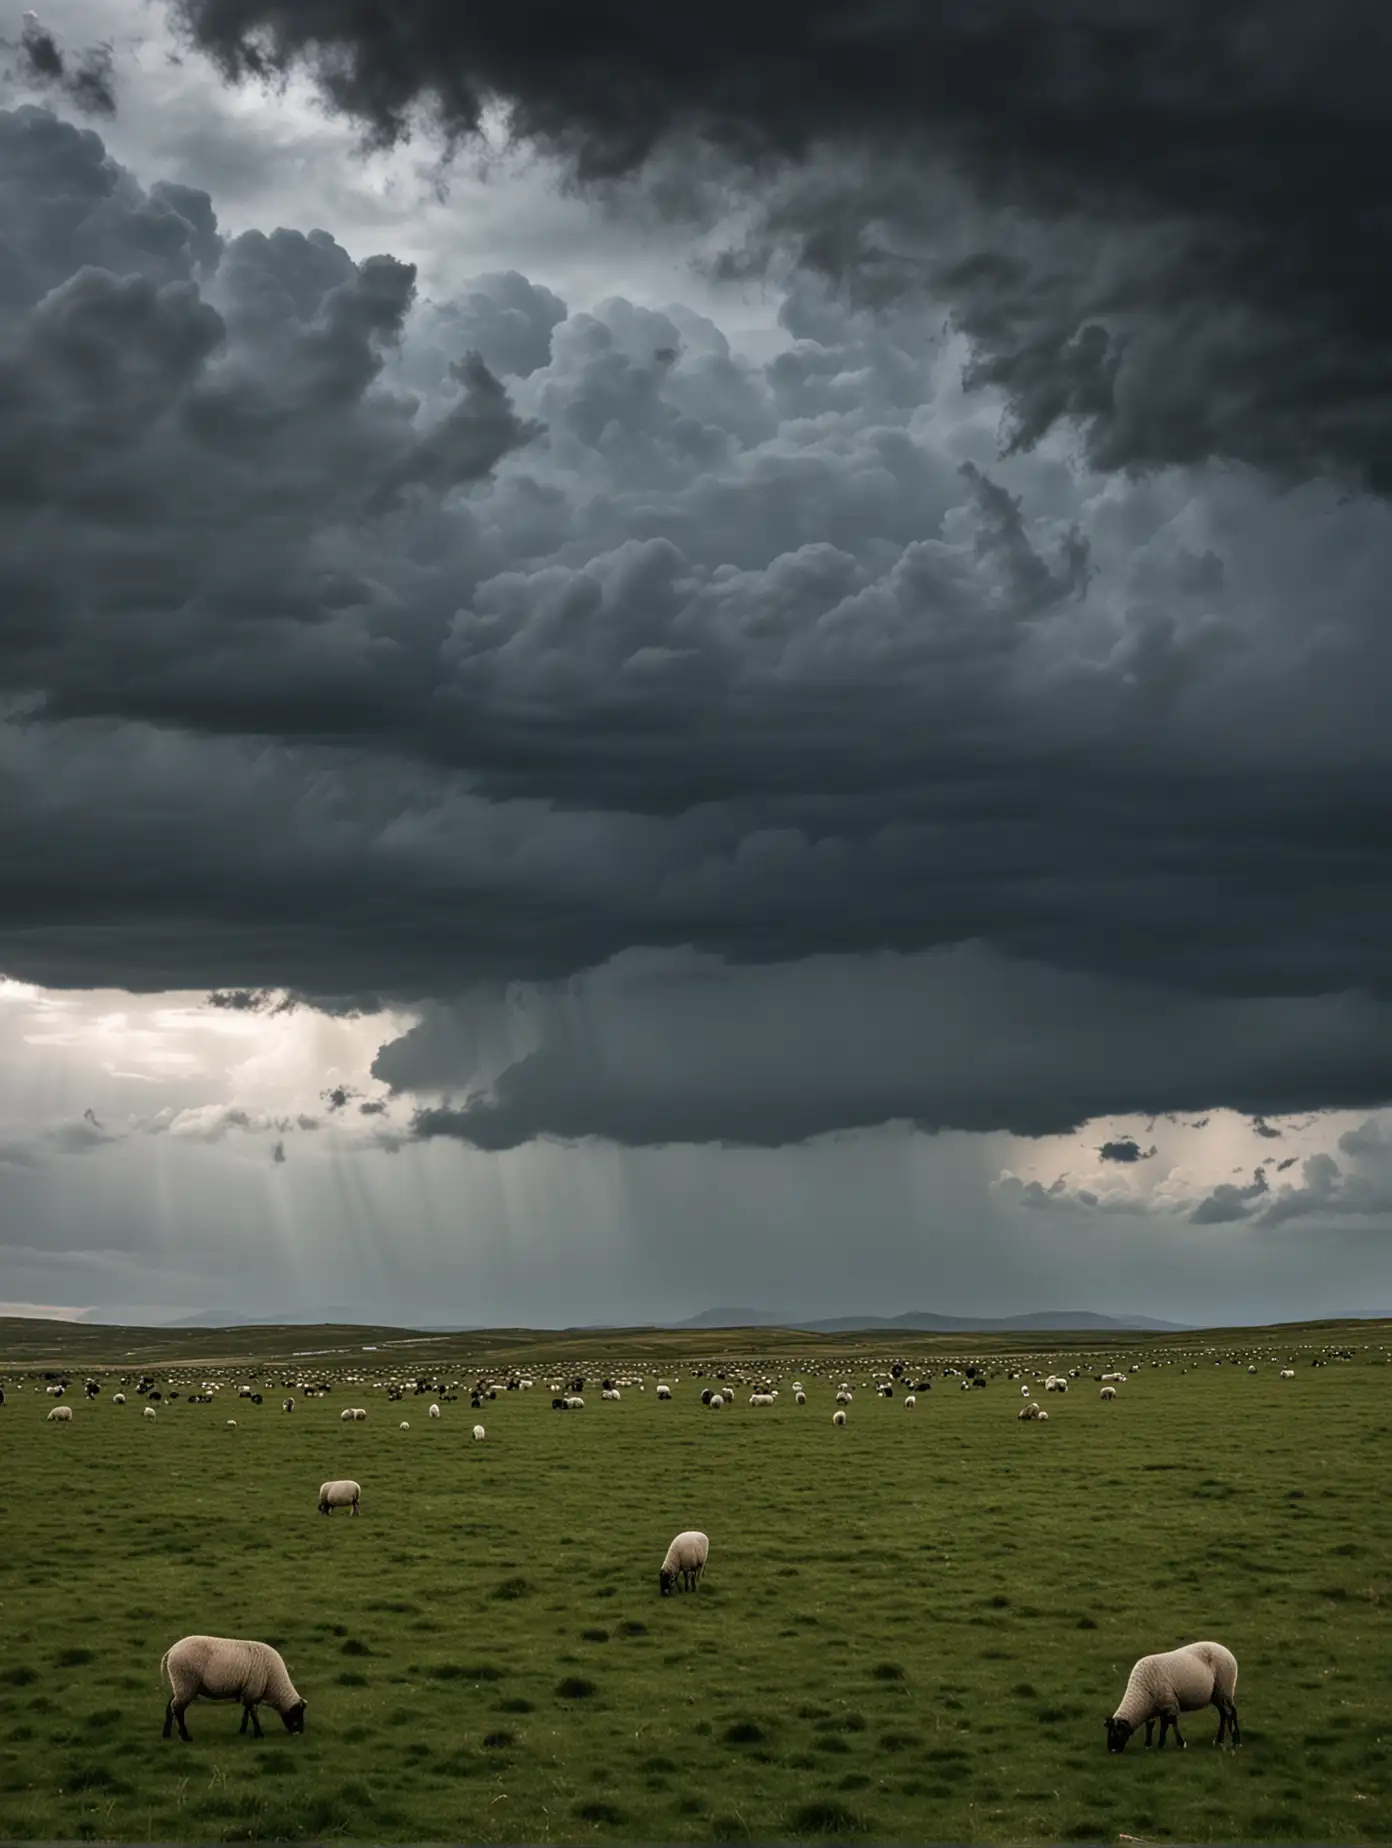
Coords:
pixel 662 1049
pixel 1125 1149
pixel 1164 220
pixel 334 669
pixel 85 79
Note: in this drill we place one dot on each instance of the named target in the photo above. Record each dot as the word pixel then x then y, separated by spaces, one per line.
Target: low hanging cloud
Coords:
pixel 655 1049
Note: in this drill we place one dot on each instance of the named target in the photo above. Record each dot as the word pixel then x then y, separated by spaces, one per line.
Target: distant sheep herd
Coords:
pixel 1160 1688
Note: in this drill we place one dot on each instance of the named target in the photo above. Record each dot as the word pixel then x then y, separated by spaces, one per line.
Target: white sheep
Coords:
pixel 341 1493
pixel 479 1434
pixel 404 1425
pixel 231 1424
pixel 1286 1373
pixel 685 1561
pixel 118 1398
pixel 717 1401
pixel 434 1411
pixel 61 1414
pixel 149 1412
pixel 229 1668
pixel 838 1418
pixel 761 1398
pixel 346 1415
pixel 1108 1392
pixel 910 1401
pixel 574 1403
pixel 664 1392
pixel 1161 1687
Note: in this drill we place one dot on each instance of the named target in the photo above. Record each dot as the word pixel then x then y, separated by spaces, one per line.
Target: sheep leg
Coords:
pixel 1164 1728
pixel 1180 1741
pixel 249 1713
pixel 173 1713
pixel 1149 1731
pixel 1222 1720
pixel 1233 1732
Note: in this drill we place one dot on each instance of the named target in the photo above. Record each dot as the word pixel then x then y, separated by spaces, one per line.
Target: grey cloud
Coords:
pixel 85 79
pixel 1164 226
pixel 657 1049
pixel 1227 1203
pixel 1125 1149
pixel 1369 1140
pixel 332 673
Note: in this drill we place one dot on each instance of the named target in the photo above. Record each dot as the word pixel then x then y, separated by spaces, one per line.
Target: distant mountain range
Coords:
pixel 925 1321
pixel 916 1321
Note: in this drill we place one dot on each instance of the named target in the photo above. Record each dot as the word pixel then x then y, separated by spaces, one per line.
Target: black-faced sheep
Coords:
pixel 685 1562
pixel 1161 1687
pixel 229 1668
pixel 342 1493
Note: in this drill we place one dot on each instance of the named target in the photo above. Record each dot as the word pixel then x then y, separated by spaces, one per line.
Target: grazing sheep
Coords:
pixel 61 1414
pixel 799 1398
pixel 910 1401
pixel 1161 1687
pixel 685 1561
pixel 434 1411
pixel 1286 1373
pixel 231 1424
pixel 838 1418
pixel 118 1398
pixel 229 1668
pixel 1108 1392
pixel 1031 1411
pixel 404 1425
pixel 149 1412
pixel 664 1392
pixel 479 1434
pixel 343 1493
pixel 717 1401
pixel 287 1405
pixel 574 1403
pixel 345 1416
pixel 761 1398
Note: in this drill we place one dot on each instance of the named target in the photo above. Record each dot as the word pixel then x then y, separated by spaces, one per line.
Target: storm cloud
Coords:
pixel 1162 223
pixel 801 764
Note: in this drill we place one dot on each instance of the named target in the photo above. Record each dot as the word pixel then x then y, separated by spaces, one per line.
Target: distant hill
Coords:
pixel 916 1321
pixel 924 1321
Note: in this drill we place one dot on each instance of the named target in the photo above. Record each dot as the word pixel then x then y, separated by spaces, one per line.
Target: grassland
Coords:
pixel 910 1628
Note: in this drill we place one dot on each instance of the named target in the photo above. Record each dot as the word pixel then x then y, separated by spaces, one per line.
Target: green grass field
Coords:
pixel 909 1629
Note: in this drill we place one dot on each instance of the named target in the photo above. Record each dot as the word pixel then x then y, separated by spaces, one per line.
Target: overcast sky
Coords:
pixel 646 668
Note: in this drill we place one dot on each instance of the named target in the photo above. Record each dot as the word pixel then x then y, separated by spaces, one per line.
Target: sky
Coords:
pixel 672 661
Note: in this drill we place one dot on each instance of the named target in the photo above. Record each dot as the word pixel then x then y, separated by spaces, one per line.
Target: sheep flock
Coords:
pixel 1161 1687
